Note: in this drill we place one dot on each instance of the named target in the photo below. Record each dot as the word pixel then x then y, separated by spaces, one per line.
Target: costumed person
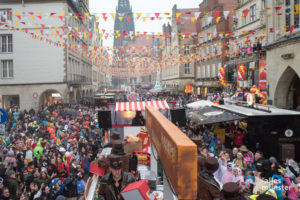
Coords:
pixel 115 181
pixel 239 161
pixel 209 188
pixel 38 150
pixel 238 177
pixel 228 175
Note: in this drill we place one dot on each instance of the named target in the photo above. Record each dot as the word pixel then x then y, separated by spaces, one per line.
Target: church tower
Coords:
pixel 125 27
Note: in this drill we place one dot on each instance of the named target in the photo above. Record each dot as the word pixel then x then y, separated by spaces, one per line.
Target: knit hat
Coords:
pixel 10 172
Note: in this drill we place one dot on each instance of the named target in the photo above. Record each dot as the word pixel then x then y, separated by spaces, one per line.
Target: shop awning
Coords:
pixel 140 106
pixel 210 115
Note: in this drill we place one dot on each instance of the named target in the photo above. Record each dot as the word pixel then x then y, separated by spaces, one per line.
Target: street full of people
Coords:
pixel 47 152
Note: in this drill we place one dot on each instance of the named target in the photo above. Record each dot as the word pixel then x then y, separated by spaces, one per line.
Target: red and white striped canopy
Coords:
pixel 140 106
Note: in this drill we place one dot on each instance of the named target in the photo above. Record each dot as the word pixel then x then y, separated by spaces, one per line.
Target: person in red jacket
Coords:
pixel 238 138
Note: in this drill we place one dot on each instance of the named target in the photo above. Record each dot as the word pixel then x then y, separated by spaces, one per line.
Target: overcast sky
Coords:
pixel 138 6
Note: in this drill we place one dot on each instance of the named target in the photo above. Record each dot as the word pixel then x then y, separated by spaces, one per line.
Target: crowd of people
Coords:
pixel 48 152
pixel 235 163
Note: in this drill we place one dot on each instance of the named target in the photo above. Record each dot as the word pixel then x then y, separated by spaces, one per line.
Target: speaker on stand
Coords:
pixel 104 119
pixel 178 117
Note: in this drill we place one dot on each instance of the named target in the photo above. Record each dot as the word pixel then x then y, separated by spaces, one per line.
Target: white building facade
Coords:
pixel 35 71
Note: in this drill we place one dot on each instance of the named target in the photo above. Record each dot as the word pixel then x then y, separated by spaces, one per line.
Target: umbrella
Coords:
pixel 199 104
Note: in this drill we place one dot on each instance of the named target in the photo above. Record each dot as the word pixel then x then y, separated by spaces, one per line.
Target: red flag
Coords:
pixel 83 29
pixel 61 17
pixel 19 17
pixel 43 26
pixel 157 15
pixel 42 32
pixel 292 28
pixel 31 13
pixel 82 17
pixel 40 17
pixel 91 35
pixel 128 19
pixel 216 14
pixel 271 30
pixel 63 28
pixel 245 12
pixel 26 30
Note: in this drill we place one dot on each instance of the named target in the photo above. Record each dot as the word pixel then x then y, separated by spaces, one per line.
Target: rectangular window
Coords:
pixel 7 68
pixel 6 44
pixel 5 16
pixel 287 15
pixel 187 68
pixel 253 13
pixel 264 4
pixel 296 15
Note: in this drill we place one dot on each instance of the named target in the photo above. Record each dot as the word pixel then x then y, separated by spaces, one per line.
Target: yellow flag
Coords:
pixel 297 8
pixel 70 36
pixel 193 19
pixel 169 18
pixel 36 25
pixel 17 13
pixel 97 18
pixel 131 37
pixel 52 32
pixel 32 17
pixel 144 19
pixel 85 35
pixel 147 37
pixel 56 27
pixel 75 17
pixel 159 34
pixel 101 35
pixel 218 19
pixel 63 14
pixel 177 15
pixel 87 14
pixel 36 31
pixel 113 15
pixel 120 18
pixel 163 38
pixel 39 13
pixel 76 28
pixel 55 35
pixel 138 15
pixel 16 22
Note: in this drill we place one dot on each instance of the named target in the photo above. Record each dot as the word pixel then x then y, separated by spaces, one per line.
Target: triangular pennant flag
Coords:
pixel 216 14
pixel 16 22
pixel 82 17
pixel 63 14
pixel 113 15
pixel 43 26
pixel 61 17
pixel 56 27
pixel 87 14
pixel 209 19
pixel 120 18
pixel 40 17
pixel 32 17
pixel 178 15
pixel 226 13
pixel 128 19
pixel 292 28
pixel 245 13
pixel 193 19
pixel 197 14
pixel 62 28
pixel 157 15
pixel 138 15
pixel 144 19
pixel 218 19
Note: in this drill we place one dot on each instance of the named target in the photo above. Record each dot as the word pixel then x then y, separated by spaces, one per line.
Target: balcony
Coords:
pixel 75 79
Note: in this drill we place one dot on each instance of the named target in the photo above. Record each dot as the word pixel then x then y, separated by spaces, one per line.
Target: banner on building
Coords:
pixel 241 74
pixel 262 74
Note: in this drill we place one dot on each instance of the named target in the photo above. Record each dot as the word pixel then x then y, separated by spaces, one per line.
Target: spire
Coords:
pixel 123 5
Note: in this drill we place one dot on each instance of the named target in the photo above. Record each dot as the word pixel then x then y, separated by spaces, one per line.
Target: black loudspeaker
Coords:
pixel 178 117
pixel 104 119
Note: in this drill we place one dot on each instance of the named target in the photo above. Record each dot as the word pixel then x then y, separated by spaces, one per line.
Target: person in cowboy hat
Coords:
pixel 115 181
pixel 231 191
pixel 209 187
